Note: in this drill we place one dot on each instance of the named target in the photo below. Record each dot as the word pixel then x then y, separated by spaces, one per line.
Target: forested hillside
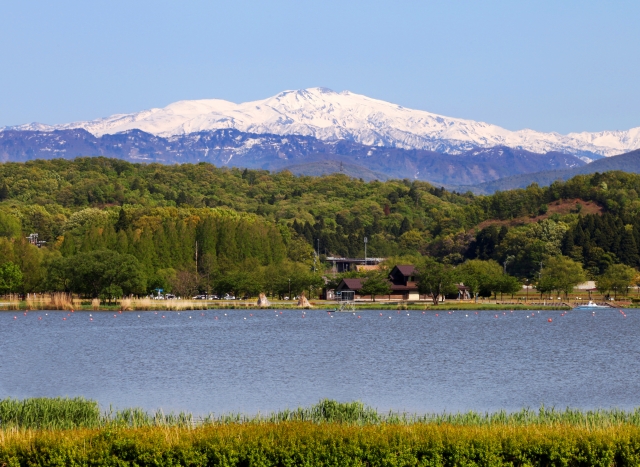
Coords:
pixel 253 230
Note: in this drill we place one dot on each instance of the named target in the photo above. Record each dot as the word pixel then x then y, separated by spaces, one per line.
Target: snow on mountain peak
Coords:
pixel 329 115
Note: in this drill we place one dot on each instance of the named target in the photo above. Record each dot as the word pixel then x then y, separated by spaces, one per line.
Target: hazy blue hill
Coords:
pixel 327 167
pixel 629 162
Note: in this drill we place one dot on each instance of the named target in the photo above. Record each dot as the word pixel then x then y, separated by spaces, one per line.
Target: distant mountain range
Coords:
pixel 629 162
pixel 300 154
pixel 331 116
pixel 317 131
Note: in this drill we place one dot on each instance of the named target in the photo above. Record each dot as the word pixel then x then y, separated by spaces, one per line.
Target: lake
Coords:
pixel 263 360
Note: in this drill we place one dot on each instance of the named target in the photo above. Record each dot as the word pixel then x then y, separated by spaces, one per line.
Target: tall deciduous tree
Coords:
pixel 10 278
pixel 436 279
pixel 617 278
pixel 376 283
pixel 560 274
pixel 482 277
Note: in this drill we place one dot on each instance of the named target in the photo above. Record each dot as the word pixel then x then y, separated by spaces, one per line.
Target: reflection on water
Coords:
pixel 250 361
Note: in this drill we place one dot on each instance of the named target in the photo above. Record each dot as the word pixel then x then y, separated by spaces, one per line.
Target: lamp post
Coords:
pixel 289 289
pixel 527 286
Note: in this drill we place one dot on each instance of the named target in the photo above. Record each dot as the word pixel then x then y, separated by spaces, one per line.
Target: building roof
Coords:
pixel 353 284
pixel 406 269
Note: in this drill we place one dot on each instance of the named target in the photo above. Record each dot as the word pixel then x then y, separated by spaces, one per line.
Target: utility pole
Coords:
pixel 365 250
pixel 196 260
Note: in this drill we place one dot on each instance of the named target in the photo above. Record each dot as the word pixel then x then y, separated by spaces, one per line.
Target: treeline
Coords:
pixel 208 226
pixel 111 253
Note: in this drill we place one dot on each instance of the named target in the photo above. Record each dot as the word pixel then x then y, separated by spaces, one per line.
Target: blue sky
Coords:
pixel 547 65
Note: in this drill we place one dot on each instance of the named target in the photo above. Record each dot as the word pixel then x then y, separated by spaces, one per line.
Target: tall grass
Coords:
pixel 45 413
pixel 81 413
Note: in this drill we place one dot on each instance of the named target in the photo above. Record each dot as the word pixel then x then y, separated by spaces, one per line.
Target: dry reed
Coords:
pixel 60 301
pixel 143 304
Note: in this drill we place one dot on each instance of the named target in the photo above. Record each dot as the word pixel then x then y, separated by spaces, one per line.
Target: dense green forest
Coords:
pixel 144 226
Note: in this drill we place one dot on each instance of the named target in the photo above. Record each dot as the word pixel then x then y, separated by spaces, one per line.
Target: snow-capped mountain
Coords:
pixel 300 154
pixel 329 116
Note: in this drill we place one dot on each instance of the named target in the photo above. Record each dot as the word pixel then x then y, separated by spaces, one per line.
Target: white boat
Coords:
pixel 591 306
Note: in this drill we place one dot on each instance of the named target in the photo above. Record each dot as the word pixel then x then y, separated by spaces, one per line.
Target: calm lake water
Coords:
pixel 211 362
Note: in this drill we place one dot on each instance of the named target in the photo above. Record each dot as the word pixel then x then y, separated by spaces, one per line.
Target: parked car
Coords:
pixel 212 297
pixel 170 296
pixel 229 297
pixel 200 297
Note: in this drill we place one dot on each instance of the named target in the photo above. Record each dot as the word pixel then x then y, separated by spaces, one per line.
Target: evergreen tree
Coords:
pixel 628 250
pixel 579 238
pixel 405 226
pixel 4 192
pixel 123 222
pixel 567 243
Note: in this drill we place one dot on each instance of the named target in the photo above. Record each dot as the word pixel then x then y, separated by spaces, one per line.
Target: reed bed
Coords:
pixel 45 413
pixel 62 413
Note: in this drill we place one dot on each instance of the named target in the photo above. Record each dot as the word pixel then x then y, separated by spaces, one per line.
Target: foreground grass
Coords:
pixel 45 432
pixel 330 444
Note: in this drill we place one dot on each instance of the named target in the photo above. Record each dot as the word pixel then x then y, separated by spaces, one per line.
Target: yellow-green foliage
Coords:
pixel 334 444
pixel 72 432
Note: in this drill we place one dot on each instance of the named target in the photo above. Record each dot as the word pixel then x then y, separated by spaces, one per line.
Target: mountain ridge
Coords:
pixel 230 147
pixel 331 116
pixel 628 162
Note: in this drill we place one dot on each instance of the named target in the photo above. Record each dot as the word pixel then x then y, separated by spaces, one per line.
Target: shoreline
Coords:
pixel 317 306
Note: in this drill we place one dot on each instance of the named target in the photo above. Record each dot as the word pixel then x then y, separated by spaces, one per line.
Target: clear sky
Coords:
pixel 548 65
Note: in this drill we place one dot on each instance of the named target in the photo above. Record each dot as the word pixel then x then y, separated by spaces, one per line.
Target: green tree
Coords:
pixel 628 251
pixel 123 222
pixel 507 284
pixel 376 283
pixel 10 278
pixel 560 274
pixel 435 279
pixel 9 226
pixel 93 272
pixel 617 278
pixel 482 277
pixel 4 192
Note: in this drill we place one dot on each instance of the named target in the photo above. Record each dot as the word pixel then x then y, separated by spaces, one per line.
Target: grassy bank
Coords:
pixel 182 305
pixel 44 432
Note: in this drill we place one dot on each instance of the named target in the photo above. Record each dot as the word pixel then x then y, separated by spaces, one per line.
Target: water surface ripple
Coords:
pixel 272 360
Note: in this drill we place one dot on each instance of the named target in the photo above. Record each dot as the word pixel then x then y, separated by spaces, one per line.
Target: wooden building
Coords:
pixel 402 282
